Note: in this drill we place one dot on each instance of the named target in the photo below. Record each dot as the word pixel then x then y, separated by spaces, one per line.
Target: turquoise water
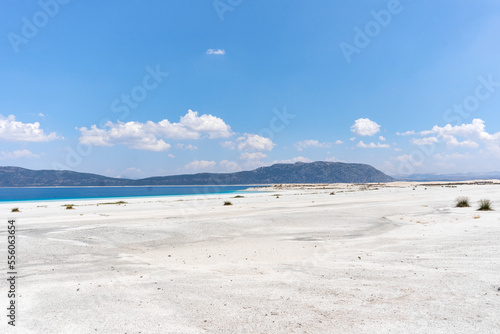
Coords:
pixel 32 194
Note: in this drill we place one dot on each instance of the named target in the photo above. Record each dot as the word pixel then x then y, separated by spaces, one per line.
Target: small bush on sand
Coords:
pixel 15 210
pixel 462 202
pixel 227 203
pixel 110 203
pixel 332 193
pixel 69 206
pixel 239 196
pixel 485 205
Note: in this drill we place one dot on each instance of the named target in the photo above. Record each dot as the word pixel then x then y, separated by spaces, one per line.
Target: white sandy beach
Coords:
pixel 385 260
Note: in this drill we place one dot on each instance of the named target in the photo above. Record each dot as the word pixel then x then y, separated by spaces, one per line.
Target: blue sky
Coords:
pixel 142 88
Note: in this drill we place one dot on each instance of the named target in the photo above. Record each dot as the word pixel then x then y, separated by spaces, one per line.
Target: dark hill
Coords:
pixel 300 172
pixel 314 172
pixel 21 177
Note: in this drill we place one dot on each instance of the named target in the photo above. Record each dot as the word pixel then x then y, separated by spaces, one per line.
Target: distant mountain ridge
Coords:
pixel 300 172
pixel 449 177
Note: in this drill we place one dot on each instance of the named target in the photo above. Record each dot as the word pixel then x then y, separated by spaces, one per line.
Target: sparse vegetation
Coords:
pixel 485 205
pixel 462 202
pixel 69 206
pixel 15 210
pixel 227 203
pixel 332 193
pixel 239 196
pixel 110 203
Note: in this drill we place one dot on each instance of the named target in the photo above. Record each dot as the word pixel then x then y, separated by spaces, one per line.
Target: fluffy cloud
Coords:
pixel 253 156
pixel 452 156
pixel 213 126
pixel 17 154
pixel 292 160
pixel 301 145
pixel 371 145
pixel 230 166
pixel 250 142
pixel 409 158
pixel 12 130
pixel 200 165
pixel 424 141
pixel 216 52
pixel 407 133
pixel 338 142
pixel 365 127
pixel 185 147
pixel 472 133
pixel 148 136
pixel 381 138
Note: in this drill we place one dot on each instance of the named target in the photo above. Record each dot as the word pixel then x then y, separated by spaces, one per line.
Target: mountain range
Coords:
pixel 300 172
pixel 449 177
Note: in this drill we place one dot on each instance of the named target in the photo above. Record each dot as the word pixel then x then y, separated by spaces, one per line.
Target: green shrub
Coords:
pixel 462 202
pixel 227 203
pixel 485 205
pixel 15 210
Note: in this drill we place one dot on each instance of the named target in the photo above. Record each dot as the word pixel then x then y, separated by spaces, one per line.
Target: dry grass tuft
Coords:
pixel 462 202
pixel 485 205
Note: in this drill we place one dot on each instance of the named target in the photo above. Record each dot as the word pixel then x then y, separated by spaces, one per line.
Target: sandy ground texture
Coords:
pixel 377 259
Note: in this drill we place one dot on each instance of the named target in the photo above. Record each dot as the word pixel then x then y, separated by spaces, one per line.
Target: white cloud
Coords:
pixel 12 130
pixel 250 142
pixel 17 154
pixel 410 159
pixel 215 127
pixel 352 138
pixel 200 165
pixel 230 166
pixel 216 52
pixel 253 156
pixel 472 133
pixel 452 156
pixel 338 142
pixel 424 141
pixel 407 133
pixel 41 115
pixel 147 136
pixel 371 145
pixel 365 127
pixel 185 147
pixel 292 160
pixel 381 138
pixel 301 145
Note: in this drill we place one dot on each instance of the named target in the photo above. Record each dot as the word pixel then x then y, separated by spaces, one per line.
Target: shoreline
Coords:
pixel 290 261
